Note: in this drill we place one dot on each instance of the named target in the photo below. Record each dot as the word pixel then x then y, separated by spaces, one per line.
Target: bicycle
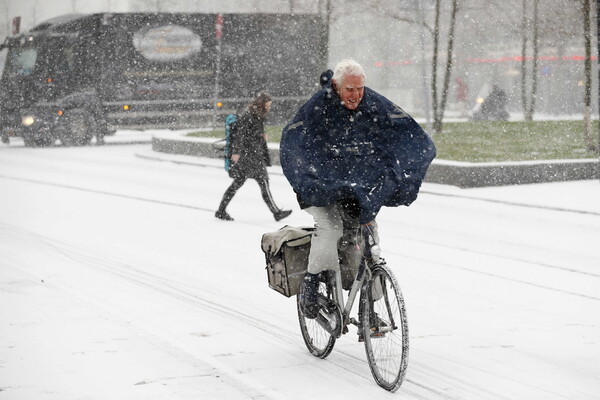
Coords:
pixel 381 323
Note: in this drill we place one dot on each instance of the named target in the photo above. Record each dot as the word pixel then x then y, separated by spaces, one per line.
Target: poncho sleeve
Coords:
pixel 298 155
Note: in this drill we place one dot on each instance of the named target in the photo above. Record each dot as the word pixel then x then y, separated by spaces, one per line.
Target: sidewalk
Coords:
pixel 120 137
pixel 572 196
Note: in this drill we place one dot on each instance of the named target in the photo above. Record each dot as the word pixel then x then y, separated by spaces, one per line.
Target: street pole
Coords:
pixel 218 36
pixel 325 11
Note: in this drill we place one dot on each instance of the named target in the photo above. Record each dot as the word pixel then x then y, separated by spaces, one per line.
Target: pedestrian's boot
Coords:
pixel 222 214
pixel 281 214
pixel 309 296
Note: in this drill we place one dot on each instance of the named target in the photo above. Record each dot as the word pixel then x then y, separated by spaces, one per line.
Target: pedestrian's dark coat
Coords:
pixel 249 142
pixel 377 154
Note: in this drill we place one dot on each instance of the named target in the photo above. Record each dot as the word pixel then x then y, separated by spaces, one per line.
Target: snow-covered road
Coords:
pixel 117 282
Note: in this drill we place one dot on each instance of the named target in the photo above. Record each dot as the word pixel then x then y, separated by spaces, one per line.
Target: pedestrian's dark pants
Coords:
pixel 238 183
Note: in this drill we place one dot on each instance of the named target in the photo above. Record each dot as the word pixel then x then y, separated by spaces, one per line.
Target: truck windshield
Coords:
pixel 21 61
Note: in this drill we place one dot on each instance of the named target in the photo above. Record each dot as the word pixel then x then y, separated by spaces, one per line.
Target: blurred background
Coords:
pixel 400 41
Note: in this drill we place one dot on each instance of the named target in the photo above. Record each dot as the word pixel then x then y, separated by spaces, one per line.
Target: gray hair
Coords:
pixel 347 67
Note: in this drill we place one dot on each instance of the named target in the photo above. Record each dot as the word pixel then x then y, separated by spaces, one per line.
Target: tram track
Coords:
pixel 394 237
pixel 286 337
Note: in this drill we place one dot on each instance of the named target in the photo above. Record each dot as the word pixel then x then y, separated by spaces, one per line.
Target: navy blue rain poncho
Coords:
pixel 376 155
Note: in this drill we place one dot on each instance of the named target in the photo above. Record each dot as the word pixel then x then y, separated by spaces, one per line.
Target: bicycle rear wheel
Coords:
pixel 384 328
pixel 317 339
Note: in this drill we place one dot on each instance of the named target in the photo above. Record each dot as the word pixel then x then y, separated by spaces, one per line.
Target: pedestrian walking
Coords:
pixel 250 156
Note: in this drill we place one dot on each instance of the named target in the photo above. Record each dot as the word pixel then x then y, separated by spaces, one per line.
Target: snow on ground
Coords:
pixel 117 282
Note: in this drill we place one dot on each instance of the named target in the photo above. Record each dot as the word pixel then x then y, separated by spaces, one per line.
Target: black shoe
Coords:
pixel 311 311
pixel 309 297
pixel 223 215
pixel 281 214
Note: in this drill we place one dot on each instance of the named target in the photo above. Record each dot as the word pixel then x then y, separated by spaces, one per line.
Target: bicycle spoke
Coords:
pixel 386 343
pixel 388 303
pixel 318 341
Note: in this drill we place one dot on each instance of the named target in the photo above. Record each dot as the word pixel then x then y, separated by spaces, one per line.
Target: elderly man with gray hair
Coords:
pixel 348 152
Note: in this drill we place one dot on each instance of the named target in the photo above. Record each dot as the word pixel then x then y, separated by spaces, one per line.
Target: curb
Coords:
pixel 461 174
pixel 471 175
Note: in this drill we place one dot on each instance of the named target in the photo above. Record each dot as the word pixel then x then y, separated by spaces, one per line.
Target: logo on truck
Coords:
pixel 167 43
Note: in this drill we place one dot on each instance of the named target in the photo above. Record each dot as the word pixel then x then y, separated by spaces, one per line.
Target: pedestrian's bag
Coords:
pixel 286 254
pixel 223 146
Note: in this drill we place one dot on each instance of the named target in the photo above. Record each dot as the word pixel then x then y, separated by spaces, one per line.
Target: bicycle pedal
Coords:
pixel 329 316
pixel 328 321
pixel 376 334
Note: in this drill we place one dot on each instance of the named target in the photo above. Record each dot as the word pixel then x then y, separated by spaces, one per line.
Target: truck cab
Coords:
pixel 79 76
pixel 47 92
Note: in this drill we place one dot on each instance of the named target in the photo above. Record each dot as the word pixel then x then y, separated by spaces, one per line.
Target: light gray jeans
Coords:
pixel 336 238
pixel 323 248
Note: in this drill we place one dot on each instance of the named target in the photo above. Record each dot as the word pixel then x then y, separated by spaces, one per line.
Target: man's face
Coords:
pixel 351 91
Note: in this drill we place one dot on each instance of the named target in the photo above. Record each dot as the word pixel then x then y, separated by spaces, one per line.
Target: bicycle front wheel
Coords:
pixel 385 328
pixel 318 340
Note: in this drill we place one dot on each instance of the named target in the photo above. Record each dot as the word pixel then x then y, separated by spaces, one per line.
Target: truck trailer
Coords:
pixel 78 76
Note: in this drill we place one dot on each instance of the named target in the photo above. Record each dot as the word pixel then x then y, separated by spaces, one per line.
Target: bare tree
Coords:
pixel 587 97
pixel 527 25
pixel 439 104
pixel 598 45
pixel 439 95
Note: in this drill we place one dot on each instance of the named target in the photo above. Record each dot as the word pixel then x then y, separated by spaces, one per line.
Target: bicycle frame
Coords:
pixel 370 255
pixel 338 293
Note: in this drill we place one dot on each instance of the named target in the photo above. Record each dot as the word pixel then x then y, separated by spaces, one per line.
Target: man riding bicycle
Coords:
pixel 348 152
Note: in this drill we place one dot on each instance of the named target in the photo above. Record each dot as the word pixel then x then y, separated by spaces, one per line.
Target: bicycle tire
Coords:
pixel 318 341
pixel 384 328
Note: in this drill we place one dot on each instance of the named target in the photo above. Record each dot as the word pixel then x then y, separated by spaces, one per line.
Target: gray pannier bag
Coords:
pixel 286 253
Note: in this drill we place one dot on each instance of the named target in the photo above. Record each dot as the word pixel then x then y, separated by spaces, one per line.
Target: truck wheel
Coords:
pixel 45 142
pixel 28 142
pixel 77 127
